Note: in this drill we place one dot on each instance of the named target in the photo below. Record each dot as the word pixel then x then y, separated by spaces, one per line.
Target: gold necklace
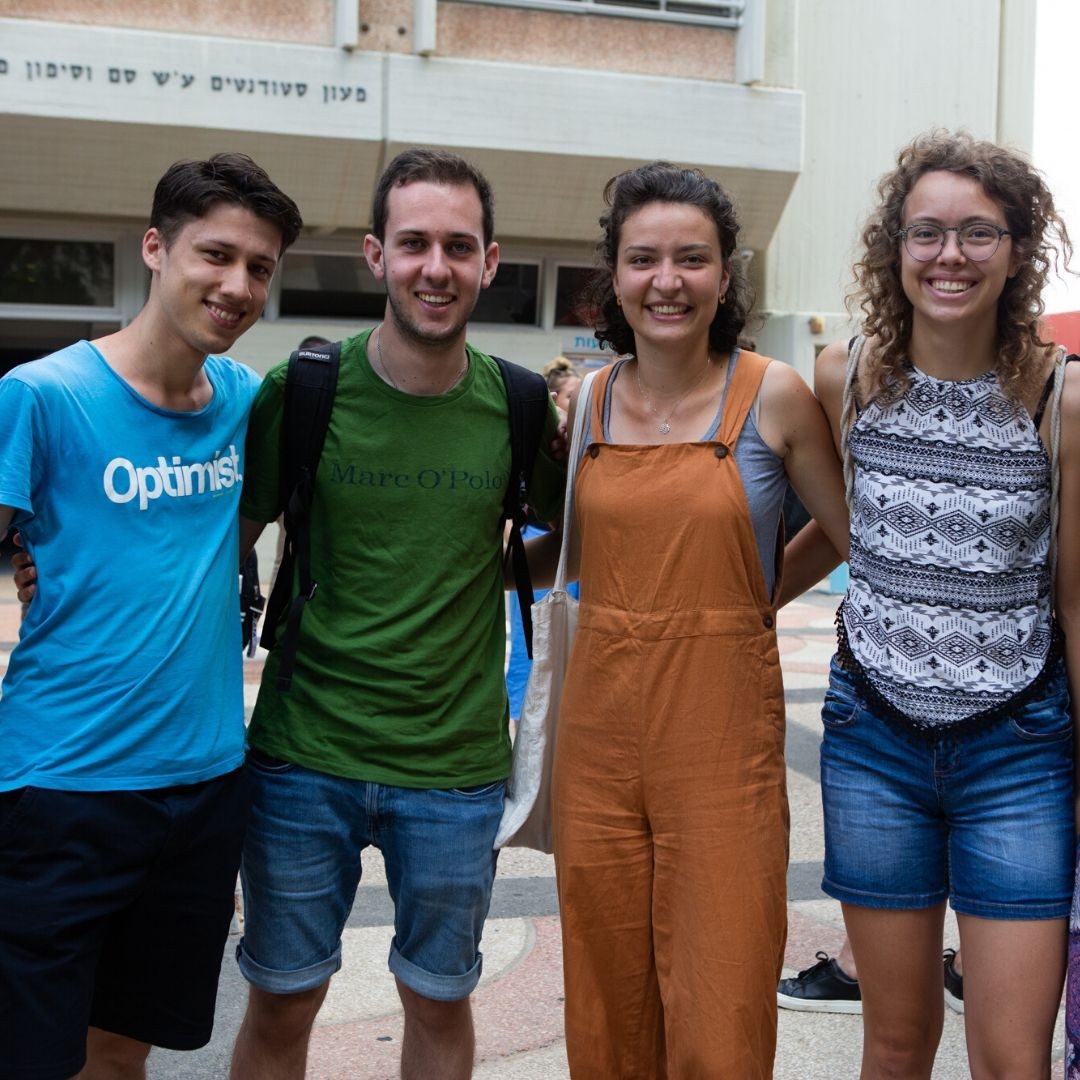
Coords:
pixel 665 426
pixel 394 383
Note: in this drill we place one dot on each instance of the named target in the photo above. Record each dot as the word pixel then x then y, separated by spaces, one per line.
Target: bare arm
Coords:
pixel 21 563
pixel 1067 585
pixel 26 571
pixel 813 554
pixel 807 559
pixel 250 531
pixel 794 424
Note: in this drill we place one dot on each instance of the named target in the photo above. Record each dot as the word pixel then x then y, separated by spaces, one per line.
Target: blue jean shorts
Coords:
pixel 301 869
pixel 984 820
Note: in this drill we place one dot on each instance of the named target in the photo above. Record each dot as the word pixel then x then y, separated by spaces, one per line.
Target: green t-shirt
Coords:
pixel 399 668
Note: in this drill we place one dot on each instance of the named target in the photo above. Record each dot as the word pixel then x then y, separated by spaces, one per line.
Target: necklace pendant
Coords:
pixel 665 427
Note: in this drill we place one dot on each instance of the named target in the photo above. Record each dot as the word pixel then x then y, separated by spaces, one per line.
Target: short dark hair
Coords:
pixel 660 181
pixel 190 188
pixel 432 167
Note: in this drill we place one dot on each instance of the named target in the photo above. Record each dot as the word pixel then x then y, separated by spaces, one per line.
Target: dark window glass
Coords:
pixel 342 286
pixel 570 282
pixel 77 272
pixel 513 297
pixel 27 339
pixel 334 286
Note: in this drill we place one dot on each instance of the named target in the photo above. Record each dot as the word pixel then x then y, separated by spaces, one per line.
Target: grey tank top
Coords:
pixel 762 472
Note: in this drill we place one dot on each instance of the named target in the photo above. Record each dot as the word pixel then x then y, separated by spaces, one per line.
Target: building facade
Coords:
pixel 794 105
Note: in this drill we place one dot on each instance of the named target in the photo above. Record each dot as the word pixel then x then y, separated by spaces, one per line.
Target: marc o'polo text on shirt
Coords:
pixel 426 479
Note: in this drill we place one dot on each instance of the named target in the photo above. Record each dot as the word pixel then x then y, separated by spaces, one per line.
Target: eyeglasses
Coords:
pixel 978 240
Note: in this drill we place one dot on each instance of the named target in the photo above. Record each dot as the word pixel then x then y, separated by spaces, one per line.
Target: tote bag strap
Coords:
pixel 581 419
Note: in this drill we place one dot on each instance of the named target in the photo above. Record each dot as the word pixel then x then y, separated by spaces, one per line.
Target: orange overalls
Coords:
pixel 669 790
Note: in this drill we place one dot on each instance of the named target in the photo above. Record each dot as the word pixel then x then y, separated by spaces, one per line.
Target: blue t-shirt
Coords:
pixel 127 673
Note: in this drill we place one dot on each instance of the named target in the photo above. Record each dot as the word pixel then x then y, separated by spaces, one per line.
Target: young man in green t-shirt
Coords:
pixel 394 732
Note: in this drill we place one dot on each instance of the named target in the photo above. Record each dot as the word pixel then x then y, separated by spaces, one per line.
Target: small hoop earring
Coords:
pixel 723 297
pixel 618 300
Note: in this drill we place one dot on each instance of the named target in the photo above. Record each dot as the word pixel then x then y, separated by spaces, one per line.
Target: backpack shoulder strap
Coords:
pixel 527 400
pixel 252 602
pixel 1058 377
pixel 849 411
pixel 310 384
pixel 527 403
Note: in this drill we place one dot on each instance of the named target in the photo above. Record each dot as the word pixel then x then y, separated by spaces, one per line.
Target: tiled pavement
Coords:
pixel 518 1006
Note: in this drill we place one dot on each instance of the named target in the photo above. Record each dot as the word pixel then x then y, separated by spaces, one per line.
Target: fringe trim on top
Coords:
pixel 905 725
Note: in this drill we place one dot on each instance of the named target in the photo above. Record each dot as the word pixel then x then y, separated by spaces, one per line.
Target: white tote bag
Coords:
pixel 526 819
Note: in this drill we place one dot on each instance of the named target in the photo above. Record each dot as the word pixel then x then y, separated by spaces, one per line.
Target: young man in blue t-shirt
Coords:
pixel 122 803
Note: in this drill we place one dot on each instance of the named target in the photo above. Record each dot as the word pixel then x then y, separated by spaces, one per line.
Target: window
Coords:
pixel 330 286
pixel 27 339
pixel 727 14
pixel 342 287
pixel 570 285
pixel 513 297
pixel 73 273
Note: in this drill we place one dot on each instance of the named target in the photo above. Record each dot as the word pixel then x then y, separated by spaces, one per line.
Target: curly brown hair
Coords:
pixel 660 181
pixel 1033 223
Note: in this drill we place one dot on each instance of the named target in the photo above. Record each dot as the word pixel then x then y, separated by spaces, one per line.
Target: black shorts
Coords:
pixel 115 908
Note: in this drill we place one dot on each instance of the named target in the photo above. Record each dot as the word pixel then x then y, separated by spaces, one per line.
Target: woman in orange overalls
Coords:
pixel 671 821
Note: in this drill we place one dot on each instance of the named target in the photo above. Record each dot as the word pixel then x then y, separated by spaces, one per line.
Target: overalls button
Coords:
pixel 594 450
pixel 767 622
pixel 721 451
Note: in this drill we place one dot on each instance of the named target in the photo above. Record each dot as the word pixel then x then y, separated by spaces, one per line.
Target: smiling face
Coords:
pixel 433 260
pixel 210 283
pixel 951 287
pixel 669 274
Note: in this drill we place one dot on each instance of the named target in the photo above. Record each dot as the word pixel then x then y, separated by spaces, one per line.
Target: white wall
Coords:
pixel 875 75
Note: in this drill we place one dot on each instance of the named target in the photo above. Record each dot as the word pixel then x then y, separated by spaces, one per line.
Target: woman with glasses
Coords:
pixel 669 796
pixel 947 756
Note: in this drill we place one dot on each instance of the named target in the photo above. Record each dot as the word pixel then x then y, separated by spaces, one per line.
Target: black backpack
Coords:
pixel 310 383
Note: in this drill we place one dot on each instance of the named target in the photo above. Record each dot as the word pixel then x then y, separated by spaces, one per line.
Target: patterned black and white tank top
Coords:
pixel 947 616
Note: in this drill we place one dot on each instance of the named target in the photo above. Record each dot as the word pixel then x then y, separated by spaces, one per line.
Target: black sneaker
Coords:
pixel 821 988
pixel 954 982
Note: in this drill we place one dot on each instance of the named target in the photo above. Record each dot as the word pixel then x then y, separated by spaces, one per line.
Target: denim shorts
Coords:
pixel 985 819
pixel 301 869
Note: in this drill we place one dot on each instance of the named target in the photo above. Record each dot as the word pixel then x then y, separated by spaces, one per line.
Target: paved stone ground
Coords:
pixel 518 1005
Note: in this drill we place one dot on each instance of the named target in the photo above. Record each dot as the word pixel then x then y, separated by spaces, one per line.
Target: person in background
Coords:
pixel 831 984
pixel 563 378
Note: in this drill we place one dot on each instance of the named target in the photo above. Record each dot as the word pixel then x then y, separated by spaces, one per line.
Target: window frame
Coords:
pixel 340 248
pixel 125 275
pixel 553 290
pixel 509 258
pixel 731 19
pixel 547 257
